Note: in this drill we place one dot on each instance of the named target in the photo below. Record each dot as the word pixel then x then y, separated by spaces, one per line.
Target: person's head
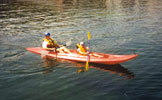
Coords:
pixel 47 35
pixel 82 43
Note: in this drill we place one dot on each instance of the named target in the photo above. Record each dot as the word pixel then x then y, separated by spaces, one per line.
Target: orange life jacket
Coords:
pixel 83 50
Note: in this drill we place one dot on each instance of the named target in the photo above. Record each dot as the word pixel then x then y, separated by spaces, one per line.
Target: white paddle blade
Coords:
pixel 68 43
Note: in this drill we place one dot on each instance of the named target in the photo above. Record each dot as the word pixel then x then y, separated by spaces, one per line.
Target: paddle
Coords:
pixel 87 62
pixel 68 43
pixel 45 52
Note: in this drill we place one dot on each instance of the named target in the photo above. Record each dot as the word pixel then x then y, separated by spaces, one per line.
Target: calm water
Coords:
pixel 116 26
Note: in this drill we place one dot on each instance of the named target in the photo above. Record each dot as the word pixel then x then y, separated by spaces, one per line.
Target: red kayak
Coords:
pixel 95 57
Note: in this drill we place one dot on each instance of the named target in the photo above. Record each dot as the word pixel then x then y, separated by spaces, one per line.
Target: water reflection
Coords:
pixel 4 6
pixel 113 69
pixel 49 65
pixel 5 1
pixel 128 3
pixel 69 16
pixel 64 5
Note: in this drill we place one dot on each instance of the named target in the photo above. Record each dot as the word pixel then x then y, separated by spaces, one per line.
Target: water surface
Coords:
pixel 116 27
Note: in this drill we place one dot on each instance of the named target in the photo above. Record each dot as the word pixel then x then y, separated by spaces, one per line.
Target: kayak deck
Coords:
pixel 94 57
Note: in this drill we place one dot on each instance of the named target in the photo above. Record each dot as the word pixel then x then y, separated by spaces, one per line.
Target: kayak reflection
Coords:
pixel 113 69
pixel 49 64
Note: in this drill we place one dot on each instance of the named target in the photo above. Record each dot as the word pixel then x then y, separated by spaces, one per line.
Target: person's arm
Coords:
pixel 50 49
pixel 46 47
pixel 44 44
pixel 57 46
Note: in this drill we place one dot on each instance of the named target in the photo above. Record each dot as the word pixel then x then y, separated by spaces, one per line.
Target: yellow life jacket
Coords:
pixel 50 41
pixel 82 49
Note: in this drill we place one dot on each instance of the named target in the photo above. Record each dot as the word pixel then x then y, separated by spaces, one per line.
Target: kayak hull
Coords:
pixel 94 57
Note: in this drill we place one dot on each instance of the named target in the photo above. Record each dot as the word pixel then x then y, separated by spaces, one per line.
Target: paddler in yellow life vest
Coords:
pixel 82 50
pixel 50 44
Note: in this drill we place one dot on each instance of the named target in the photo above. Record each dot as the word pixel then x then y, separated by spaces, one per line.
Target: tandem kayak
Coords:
pixel 94 57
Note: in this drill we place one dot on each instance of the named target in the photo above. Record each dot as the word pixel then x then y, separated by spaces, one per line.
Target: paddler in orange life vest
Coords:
pixel 81 48
pixel 50 44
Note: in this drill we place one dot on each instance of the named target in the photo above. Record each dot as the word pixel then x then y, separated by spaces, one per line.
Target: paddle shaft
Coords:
pixel 87 62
